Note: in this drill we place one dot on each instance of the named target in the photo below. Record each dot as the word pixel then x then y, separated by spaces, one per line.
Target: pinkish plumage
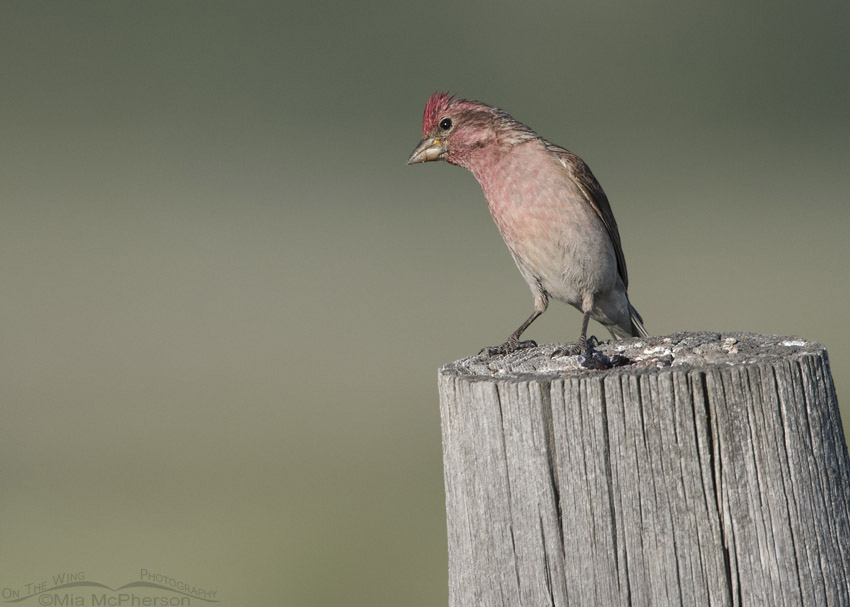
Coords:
pixel 552 213
pixel 437 103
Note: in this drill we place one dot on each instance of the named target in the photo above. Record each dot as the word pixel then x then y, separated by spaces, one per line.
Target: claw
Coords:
pixel 572 350
pixel 588 348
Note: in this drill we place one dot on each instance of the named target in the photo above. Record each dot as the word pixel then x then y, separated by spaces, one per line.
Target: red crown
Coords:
pixel 437 104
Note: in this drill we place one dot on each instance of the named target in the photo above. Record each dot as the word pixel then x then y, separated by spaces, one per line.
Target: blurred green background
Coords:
pixel 225 296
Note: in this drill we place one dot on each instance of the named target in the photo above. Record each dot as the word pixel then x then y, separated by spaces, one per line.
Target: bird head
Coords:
pixel 455 130
pixel 437 125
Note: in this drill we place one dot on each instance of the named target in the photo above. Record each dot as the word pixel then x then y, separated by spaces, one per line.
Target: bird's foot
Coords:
pixel 577 349
pixel 512 345
pixel 591 358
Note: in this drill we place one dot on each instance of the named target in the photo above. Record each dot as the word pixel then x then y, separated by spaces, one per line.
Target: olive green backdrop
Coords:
pixel 225 297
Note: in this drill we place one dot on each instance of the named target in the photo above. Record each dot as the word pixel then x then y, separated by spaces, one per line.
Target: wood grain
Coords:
pixel 712 470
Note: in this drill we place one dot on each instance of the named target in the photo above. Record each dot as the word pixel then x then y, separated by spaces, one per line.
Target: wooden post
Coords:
pixel 712 470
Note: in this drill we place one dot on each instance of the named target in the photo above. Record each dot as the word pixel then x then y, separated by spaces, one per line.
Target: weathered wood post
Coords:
pixel 712 470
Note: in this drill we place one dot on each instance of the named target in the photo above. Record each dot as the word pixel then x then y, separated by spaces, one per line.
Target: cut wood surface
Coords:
pixel 711 470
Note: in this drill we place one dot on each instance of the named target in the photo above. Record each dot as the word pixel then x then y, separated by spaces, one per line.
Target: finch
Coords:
pixel 551 212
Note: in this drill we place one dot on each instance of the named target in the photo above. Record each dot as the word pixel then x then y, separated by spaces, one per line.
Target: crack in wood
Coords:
pixel 721 481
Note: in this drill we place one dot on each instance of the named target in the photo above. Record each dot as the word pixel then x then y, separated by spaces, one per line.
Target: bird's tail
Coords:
pixel 638 330
pixel 633 327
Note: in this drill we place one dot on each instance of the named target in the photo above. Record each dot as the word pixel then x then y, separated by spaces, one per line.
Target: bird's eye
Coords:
pixel 446 124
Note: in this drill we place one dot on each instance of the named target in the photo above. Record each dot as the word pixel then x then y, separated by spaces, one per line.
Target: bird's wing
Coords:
pixel 595 196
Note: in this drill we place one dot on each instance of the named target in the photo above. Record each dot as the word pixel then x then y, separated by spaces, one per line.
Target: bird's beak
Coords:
pixel 430 148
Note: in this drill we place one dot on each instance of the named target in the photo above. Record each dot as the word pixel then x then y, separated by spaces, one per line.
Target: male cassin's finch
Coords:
pixel 548 206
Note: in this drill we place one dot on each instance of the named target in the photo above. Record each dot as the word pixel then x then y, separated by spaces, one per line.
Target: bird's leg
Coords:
pixel 581 346
pixel 513 344
pixel 582 341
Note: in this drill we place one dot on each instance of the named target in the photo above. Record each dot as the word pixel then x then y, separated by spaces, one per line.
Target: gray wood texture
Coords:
pixel 710 471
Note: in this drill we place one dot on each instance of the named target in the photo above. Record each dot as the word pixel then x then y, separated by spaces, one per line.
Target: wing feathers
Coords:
pixel 595 197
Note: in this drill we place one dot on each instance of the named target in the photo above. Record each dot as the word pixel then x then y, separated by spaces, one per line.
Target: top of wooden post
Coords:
pixel 707 469
pixel 695 350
